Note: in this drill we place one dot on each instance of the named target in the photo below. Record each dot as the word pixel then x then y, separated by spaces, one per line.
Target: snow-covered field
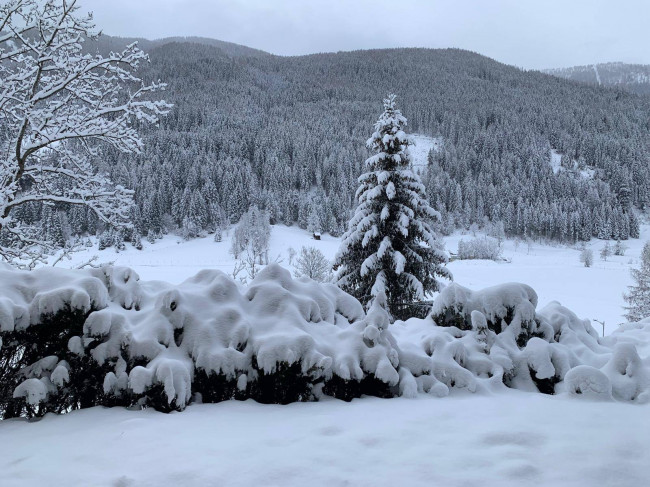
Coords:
pixel 420 150
pixel 513 439
pixel 554 271
pixel 509 439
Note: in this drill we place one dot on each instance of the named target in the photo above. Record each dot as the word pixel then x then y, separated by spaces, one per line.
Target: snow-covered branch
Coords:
pixel 56 103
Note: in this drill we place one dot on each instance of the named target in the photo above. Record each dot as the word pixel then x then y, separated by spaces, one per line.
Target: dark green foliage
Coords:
pixel 50 337
pixel 216 387
pixel 529 329
pixel 155 397
pixel 416 309
pixel 390 248
pixel 286 384
pixel 456 316
pixel 545 386
pixel 347 390
pixel 453 316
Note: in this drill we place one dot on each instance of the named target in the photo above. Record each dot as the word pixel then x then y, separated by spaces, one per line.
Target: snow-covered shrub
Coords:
pixel 507 307
pixel 497 332
pixel 137 241
pixel 106 240
pixel 606 251
pixel 588 382
pixel 479 248
pixel 41 372
pixel 79 338
pixel 218 233
pixel 157 345
pixel 587 257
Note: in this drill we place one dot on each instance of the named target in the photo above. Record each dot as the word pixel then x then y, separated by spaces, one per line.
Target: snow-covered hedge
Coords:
pixel 74 339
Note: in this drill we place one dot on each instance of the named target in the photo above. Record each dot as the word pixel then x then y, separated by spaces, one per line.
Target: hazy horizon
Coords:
pixel 552 34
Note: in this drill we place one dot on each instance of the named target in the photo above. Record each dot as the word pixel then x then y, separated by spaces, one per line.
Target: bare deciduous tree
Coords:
pixel 56 103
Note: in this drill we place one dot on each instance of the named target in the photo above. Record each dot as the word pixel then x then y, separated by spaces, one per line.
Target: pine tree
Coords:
pixel 314 224
pixel 638 296
pixel 389 246
pixel 634 225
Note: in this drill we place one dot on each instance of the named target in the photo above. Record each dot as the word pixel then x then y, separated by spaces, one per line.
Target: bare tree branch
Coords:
pixel 57 104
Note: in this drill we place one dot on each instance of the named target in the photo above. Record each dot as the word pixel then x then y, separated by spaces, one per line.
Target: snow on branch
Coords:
pixel 58 104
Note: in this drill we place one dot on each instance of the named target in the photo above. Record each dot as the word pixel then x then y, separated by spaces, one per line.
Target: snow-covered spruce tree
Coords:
pixel 390 246
pixel 638 296
pixel 56 102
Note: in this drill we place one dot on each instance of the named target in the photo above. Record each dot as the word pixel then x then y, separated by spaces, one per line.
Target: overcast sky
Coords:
pixel 530 34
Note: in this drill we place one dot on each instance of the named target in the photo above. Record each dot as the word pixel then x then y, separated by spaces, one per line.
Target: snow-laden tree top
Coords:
pixel 389 140
pixel 56 102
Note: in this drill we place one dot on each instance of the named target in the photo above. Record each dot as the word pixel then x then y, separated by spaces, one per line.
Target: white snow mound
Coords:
pixel 283 339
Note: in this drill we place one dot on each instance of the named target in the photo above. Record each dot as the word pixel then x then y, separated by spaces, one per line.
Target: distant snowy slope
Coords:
pixel 420 150
pixel 630 77
pixel 107 43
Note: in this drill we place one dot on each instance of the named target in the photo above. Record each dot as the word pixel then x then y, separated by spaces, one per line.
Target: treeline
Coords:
pixel 288 135
pixel 526 196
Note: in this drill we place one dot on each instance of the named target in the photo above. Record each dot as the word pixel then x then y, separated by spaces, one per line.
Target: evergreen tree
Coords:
pixel 619 248
pixel 389 246
pixel 638 296
pixel 314 221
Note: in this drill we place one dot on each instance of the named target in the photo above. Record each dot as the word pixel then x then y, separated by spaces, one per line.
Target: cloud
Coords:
pixel 530 34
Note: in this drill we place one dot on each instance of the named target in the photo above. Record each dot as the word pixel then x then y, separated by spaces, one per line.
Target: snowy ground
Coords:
pixel 554 271
pixel 510 439
pixel 420 150
pixel 514 439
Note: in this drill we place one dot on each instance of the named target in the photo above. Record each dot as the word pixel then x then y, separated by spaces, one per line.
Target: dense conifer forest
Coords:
pixel 548 158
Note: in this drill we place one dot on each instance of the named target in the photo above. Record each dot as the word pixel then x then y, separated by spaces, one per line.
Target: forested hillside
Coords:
pixel 549 158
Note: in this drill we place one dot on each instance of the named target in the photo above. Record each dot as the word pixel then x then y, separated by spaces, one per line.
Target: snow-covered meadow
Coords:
pixel 511 439
pixel 489 438
pixel 482 433
pixel 553 271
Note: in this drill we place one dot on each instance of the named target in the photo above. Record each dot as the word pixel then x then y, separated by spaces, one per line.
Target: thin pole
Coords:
pixel 602 323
